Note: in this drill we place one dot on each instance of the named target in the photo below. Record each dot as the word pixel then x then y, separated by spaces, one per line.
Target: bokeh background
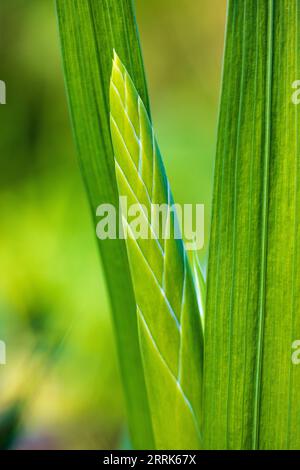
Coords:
pixel 60 387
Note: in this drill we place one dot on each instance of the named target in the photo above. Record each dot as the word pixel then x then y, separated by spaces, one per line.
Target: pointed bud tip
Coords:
pixel 117 61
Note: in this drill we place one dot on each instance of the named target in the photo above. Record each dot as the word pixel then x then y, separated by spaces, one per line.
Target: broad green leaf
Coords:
pixel 89 29
pixel 168 315
pixel 251 386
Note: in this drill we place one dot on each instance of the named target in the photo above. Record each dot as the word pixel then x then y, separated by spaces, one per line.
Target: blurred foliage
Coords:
pixel 60 387
pixel 182 43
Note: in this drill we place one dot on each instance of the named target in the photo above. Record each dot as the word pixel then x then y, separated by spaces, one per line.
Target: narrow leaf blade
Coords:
pixel 251 387
pixel 88 32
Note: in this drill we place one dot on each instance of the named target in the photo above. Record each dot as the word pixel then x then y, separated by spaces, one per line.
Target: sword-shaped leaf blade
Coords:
pixel 251 386
pixel 89 29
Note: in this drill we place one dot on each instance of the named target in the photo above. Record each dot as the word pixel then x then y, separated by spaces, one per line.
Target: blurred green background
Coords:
pixel 60 387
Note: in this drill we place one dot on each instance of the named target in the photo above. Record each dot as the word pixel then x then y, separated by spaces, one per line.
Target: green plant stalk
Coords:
pixel 251 387
pixel 89 30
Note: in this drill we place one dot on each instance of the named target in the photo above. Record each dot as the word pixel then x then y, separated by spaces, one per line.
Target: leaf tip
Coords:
pixel 117 63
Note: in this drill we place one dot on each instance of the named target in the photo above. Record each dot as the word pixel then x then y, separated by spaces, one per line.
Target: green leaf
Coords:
pixel 251 387
pixel 168 315
pixel 89 29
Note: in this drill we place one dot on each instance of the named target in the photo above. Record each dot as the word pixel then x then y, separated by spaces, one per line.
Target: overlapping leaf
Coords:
pixel 167 308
